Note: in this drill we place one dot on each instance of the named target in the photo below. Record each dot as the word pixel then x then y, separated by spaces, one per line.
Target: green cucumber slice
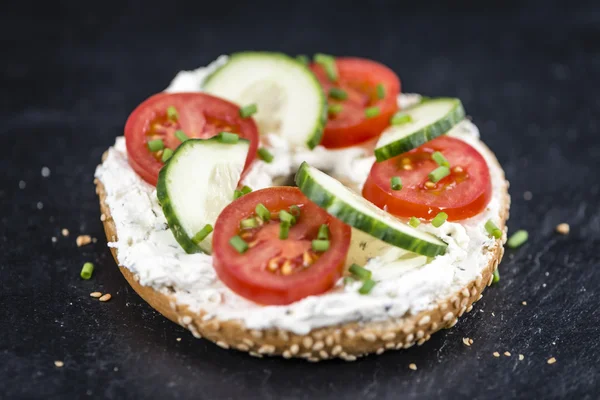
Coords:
pixel 290 100
pixel 429 120
pixel 196 184
pixel 353 209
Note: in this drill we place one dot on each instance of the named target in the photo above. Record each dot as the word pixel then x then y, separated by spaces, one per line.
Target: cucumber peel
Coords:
pixel 428 120
pixel 356 211
pixel 196 184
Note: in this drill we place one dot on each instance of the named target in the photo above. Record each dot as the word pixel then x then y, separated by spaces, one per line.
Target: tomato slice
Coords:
pixel 462 194
pixel 198 115
pixel 359 78
pixel 274 270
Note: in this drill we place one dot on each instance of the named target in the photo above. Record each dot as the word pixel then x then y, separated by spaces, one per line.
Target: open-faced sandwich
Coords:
pixel 281 207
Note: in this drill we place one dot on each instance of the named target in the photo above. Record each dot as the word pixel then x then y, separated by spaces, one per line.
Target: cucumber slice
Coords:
pixel 358 212
pixel 196 184
pixel 290 100
pixel 429 120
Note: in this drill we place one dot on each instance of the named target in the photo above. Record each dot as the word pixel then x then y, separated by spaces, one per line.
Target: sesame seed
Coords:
pixel 295 348
pixel 59 364
pixel 350 357
pixel 318 346
pixel 465 292
pixel 22 185
pixel 369 336
pixel 507 353
pixel 524 303
pixel 350 333
pixel 102 217
pixel 470 308
pixel 390 345
pixel 82 240
pixel 551 360
pixel 329 341
pixel 388 336
pixel 222 344
pixel 287 354
pixel 256 334
pixel 186 319
pixel 312 359
pixel 407 167
pixel 425 320
pixel 255 354
pixel 410 338
pixel 421 341
pixel 429 185
pixel 242 347
pixel 563 228
pixel 448 316
pixel 470 341
pixel 420 334
pixel 434 326
pixel 323 354
pixel 45 172
pixel 307 342
pixel 65 232
pixel 527 195
pixel 105 297
pixel 249 342
pixel 178 339
pixel 380 350
pixel 336 350
pixel 412 366
pixel 496 354
pixel 521 357
pixel 466 341
pixel 95 294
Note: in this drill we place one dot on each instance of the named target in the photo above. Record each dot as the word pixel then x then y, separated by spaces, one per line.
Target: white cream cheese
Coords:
pixel 147 248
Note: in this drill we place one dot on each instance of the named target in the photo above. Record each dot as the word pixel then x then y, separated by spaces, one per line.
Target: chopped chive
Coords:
pixel 246 189
pixel 348 280
pixel 179 134
pixel 284 230
pixel 361 273
pixel 414 222
pixel 438 174
pixel 400 118
pixel 323 232
pixel 156 145
pixel 320 245
pixel 396 183
pixel 439 219
pixel 87 270
pixel 367 286
pixel 334 108
pixel 167 153
pixel 338 94
pixel 285 216
pixel 496 276
pixel 328 64
pixel 492 229
pixel 371 112
pixel 303 58
pixel 229 138
pixel 440 159
pixel 237 194
pixel 263 212
pixel 202 233
pixel 265 155
pixel 248 110
pixel 517 239
pixel 295 210
pixel 380 91
pixel 248 223
pixel 238 244
pixel 172 113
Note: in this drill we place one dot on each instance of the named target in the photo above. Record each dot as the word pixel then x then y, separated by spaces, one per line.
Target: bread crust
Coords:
pixel 346 341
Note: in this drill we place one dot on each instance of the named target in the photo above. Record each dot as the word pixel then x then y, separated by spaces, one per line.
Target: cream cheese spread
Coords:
pixel 407 282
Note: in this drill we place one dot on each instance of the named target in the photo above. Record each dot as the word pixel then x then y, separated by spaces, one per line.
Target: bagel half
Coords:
pixel 346 341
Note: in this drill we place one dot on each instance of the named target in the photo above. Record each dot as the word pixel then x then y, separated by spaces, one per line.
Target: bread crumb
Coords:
pixel 507 353
pixel 412 366
pixel 496 354
pixel 470 341
pixel 178 339
pixel 115 369
pixel 59 364
pixel 524 303
pixel 551 360
pixel 65 232
pixel 467 341
pixel 22 185
pixel 105 297
pixel 54 239
pixel 95 294
pixel 563 228
pixel 39 205
pixel 82 240
pixel 45 172
pixel 527 195
pixel 94 240
pixel 521 357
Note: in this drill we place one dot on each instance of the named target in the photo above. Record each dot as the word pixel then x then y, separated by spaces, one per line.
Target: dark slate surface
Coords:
pixel 528 74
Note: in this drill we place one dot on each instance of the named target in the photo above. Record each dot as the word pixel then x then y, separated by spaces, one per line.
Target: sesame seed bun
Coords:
pixel 346 341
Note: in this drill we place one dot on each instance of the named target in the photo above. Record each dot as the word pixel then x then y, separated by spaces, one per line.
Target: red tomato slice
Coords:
pixel 462 194
pixel 274 270
pixel 359 78
pixel 199 115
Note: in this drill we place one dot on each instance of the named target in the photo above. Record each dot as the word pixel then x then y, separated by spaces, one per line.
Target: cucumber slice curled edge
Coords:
pixel 253 77
pixel 429 119
pixel 354 210
pixel 196 183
